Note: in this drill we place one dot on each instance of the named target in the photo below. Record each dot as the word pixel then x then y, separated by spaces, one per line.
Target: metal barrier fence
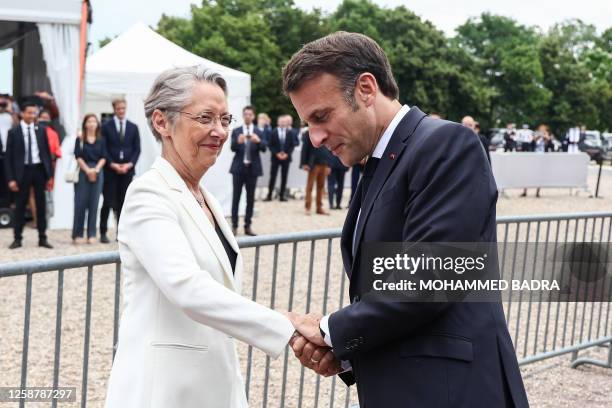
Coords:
pixel 296 271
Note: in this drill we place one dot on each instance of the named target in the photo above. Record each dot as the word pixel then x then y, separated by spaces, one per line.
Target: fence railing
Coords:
pixel 68 329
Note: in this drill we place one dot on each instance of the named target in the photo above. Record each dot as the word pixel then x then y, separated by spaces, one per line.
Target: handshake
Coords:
pixel 309 346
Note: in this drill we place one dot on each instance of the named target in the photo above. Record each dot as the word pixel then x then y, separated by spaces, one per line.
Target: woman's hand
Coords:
pixel 92 176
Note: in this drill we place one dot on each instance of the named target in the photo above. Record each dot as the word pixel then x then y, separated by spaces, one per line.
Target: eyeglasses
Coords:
pixel 208 119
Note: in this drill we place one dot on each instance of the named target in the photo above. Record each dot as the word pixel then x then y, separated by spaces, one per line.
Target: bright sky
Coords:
pixel 111 17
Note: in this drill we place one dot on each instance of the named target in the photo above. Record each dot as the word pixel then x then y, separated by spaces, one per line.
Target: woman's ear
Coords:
pixel 160 123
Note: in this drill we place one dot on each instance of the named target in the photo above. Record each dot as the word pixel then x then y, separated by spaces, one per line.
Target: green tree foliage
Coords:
pixel 494 69
pixel 506 53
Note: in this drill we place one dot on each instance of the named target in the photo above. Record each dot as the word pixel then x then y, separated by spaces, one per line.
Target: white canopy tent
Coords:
pixel 127 67
pixel 50 37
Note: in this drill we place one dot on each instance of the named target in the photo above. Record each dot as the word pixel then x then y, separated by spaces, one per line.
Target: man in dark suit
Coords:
pixel 27 164
pixel 281 145
pixel 123 145
pixel 426 180
pixel 247 142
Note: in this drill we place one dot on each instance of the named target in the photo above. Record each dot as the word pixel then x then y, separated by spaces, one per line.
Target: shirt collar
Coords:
pixel 379 150
pixel 25 125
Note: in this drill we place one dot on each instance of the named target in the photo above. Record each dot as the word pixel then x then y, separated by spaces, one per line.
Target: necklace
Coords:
pixel 199 200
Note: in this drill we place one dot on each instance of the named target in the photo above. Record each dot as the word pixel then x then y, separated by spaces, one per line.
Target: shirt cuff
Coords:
pixel 324 326
pixel 346 366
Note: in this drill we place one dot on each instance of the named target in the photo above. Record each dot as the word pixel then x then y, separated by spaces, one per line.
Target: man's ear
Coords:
pixel 366 88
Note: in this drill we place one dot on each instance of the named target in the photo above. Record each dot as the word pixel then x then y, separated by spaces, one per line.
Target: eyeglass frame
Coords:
pixel 196 116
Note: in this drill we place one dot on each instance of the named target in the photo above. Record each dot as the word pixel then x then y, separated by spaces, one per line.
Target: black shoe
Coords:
pixel 104 239
pixel 249 231
pixel 283 199
pixel 16 244
pixel 235 231
pixel 268 198
pixel 44 243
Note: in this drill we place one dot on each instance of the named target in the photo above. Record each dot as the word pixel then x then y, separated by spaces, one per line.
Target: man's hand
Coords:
pixel 116 167
pixel 306 167
pixel 12 185
pixel 319 359
pixel 255 139
pixel 308 326
pixel 241 138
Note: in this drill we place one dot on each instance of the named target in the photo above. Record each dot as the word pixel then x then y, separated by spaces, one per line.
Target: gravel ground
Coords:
pixel 550 383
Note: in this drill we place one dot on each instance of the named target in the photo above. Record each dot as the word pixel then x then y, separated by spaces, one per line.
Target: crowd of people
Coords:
pixel 30 144
pixel 251 139
pixel 106 154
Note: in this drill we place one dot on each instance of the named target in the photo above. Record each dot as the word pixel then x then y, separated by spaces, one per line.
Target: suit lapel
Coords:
pixel 41 136
pixel 208 230
pixel 395 148
pixel 217 211
pixel 198 217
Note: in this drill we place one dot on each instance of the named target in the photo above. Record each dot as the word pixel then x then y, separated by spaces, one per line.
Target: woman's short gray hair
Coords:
pixel 172 90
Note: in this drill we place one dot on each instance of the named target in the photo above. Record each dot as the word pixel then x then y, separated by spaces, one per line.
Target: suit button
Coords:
pixel 356 299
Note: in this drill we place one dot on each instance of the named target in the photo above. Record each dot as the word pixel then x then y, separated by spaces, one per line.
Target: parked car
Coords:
pixel 496 139
pixel 592 145
pixel 606 142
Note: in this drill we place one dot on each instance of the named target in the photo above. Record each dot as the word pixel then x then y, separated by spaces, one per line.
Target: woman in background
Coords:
pixel 90 152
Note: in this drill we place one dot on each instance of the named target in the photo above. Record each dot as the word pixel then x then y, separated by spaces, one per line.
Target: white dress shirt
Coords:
pixel 118 123
pixel 35 149
pixel 379 150
pixel 247 130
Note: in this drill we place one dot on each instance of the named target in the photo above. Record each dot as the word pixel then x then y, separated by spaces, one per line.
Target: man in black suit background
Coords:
pixel 27 164
pixel 281 145
pixel 123 145
pixel 425 180
pixel 247 142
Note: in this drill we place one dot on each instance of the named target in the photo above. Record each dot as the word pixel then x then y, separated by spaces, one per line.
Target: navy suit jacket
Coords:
pixel 238 166
pixel 14 159
pixel 275 146
pixel 130 146
pixel 433 184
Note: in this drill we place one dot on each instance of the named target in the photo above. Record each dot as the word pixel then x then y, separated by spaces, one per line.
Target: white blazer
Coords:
pixel 182 303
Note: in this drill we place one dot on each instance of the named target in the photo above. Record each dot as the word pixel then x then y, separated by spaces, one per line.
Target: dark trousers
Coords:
pixel 86 199
pixel 355 173
pixel 284 166
pixel 335 186
pixel 4 191
pixel 249 181
pixel 34 176
pixel 114 189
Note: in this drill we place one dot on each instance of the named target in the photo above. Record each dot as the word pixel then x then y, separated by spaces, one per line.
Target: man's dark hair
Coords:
pixel 345 56
pixel 28 103
pixel 248 107
pixel 47 111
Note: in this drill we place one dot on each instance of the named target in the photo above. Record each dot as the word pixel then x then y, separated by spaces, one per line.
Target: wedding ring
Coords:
pixel 312 360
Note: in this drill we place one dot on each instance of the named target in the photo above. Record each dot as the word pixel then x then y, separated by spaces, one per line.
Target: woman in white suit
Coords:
pixel 182 266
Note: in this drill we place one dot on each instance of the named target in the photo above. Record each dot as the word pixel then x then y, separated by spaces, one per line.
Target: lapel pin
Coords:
pixel 392 156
